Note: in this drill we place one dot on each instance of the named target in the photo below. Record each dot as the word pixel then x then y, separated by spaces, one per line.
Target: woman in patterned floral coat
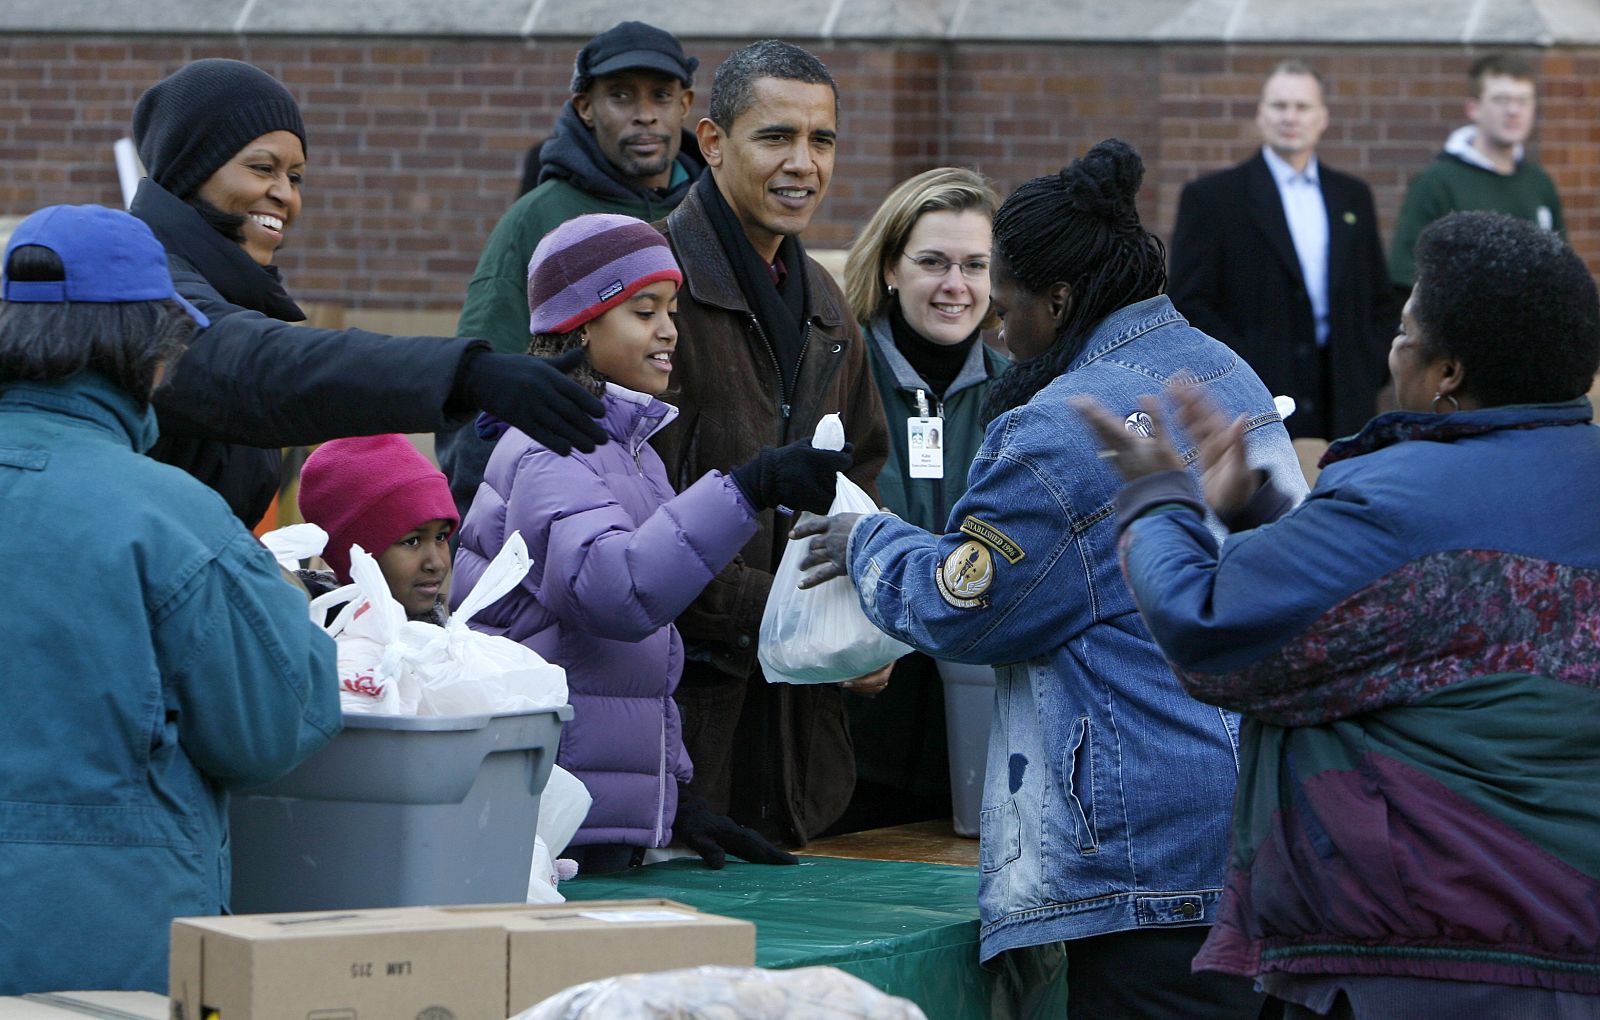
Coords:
pixel 1415 649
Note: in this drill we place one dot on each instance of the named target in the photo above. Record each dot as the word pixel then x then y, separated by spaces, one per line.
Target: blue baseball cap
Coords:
pixel 109 256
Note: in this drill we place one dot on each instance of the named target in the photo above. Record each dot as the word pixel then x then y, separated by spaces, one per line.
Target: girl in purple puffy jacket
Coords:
pixel 617 555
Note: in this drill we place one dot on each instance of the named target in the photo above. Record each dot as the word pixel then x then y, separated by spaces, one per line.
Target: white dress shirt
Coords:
pixel 1307 214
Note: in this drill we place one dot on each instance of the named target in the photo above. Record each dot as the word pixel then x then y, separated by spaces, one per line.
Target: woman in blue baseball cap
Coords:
pixel 225 148
pixel 160 659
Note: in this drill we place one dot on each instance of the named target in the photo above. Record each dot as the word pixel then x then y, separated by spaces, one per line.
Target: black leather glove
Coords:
pixel 798 476
pixel 535 395
pixel 714 836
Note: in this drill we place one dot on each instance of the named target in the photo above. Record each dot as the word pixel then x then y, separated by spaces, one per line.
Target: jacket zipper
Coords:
pixel 938 483
pixel 784 406
pixel 770 796
pixel 661 780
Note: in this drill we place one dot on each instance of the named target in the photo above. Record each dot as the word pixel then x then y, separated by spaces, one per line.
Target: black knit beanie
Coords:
pixel 189 124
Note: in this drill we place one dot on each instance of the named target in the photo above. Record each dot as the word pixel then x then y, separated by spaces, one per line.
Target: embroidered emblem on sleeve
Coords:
pixel 966 574
pixel 994 538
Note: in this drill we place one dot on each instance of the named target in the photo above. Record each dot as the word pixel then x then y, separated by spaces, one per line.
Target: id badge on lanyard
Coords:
pixel 925 442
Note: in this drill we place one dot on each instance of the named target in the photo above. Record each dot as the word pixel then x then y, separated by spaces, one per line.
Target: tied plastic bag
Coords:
pixel 467 672
pixel 374 673
pixel 390 665
pixel 289 545
pixel 821 635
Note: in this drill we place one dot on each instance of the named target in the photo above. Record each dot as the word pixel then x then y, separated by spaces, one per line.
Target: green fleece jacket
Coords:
pixel 1453 184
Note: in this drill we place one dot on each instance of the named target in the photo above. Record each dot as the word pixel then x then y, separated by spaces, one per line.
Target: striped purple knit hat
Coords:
pixel 589 265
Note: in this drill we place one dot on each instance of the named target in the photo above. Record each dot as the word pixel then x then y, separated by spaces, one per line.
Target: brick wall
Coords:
pixel 416 146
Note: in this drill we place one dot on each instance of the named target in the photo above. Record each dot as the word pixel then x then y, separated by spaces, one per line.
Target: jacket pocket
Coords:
pixel 1000 836
pixel 1077 771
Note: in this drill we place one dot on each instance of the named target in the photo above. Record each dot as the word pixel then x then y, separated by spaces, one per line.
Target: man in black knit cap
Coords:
pixel 619 147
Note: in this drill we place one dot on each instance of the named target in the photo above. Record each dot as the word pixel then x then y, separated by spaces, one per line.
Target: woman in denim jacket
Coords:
pixel 1104 829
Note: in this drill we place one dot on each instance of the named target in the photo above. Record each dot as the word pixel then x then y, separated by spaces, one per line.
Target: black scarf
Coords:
pixel 571 154
pixel 182 231
pixel 937 364
pixel 781 309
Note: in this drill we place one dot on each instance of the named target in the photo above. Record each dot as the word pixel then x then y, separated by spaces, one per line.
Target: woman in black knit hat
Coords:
pixel 225 147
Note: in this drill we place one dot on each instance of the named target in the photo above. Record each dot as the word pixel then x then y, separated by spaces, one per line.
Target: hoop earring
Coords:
pixel 1455 405
pixel 890 289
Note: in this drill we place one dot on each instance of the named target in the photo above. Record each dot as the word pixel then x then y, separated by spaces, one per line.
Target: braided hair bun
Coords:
pixel 1105 181
pixel 1079 227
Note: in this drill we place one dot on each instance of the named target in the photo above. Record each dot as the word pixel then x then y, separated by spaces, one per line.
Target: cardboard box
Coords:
pixel 346 965
pixel 551 947
pixel 468 963
pixel 70 1005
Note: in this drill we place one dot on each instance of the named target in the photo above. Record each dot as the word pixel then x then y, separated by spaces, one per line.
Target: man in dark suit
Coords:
pixel 1279 258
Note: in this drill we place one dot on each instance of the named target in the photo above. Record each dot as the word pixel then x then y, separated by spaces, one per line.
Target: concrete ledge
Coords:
pixel 1457 22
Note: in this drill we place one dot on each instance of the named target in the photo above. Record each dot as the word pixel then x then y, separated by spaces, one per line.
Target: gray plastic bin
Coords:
pixel 398 811
pixel 968 711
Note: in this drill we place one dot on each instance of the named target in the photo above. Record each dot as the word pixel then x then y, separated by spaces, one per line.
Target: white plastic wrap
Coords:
pixel 726 993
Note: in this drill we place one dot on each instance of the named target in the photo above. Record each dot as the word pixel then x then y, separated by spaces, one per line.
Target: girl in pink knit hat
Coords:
pixel 378 492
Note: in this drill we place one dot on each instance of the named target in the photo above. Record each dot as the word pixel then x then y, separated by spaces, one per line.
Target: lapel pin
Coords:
pixel 1350 218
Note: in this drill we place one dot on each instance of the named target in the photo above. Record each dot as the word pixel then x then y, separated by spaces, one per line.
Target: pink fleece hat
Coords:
pixel 369 491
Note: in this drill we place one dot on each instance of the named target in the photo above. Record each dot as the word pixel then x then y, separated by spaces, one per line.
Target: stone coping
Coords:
pixel 1455 22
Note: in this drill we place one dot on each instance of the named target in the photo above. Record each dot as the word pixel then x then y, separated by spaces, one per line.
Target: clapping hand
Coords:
pixel 1225 476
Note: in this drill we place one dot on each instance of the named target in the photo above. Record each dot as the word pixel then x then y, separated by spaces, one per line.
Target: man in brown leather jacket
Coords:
pixel 766 347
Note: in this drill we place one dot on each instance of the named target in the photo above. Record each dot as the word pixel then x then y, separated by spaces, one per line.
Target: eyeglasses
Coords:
pixel 938 265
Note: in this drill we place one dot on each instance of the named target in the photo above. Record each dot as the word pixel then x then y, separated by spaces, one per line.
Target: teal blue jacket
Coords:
pixel 154 658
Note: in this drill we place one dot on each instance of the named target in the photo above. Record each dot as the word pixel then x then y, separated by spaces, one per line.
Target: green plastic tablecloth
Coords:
pixel 908 929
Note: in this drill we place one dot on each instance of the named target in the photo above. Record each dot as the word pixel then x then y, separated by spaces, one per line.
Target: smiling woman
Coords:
pixel 917 280
pixel 259 189
pixel 225 147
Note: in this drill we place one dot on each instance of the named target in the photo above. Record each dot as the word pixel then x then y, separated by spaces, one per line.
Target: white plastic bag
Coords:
pixel 562 808
pixel 390 665
pixel 704 993
pixel 466 672
pixel 543 876
pixel 821 635
pixel 374 673
pixel 289 545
